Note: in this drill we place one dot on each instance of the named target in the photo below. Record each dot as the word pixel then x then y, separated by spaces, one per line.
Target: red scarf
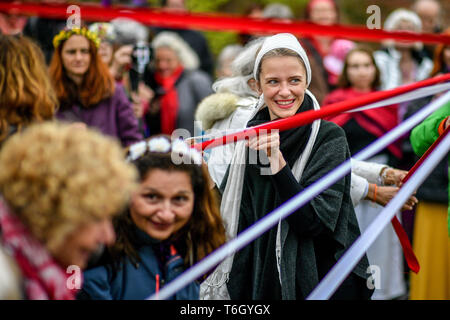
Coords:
pixel 169 101
pixel 376 121
pixel 44 278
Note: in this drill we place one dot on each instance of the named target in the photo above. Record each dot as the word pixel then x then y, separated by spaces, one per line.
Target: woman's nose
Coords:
pixel 165 212
pixel 284 90
pixel 78 55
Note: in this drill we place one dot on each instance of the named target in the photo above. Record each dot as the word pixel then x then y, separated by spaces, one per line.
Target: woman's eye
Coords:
pixel 296 80
pixel 151 196
pixel 272 81
pixel 85 51
pixel 180 199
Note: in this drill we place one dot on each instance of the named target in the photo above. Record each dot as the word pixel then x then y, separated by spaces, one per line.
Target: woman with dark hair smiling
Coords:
pixel 171 223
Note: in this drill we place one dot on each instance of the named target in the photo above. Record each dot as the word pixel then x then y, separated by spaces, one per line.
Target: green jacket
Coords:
pixel 423 136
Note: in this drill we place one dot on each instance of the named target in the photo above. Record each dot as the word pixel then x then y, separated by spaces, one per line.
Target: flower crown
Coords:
pixel 180 151
pixel 67 33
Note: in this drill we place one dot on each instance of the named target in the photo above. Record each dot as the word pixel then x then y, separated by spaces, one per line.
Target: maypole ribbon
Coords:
pixel 330 110
pixel 296 202
pixel 337 274
pixel 409 96
pixel 218 22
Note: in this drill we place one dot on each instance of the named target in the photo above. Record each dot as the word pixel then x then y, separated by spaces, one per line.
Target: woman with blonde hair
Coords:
pixel 172 222
pixel 26 92
pixel 59 188
pixel 85 88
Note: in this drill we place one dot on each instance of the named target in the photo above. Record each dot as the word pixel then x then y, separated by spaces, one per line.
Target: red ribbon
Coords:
pixel 218 22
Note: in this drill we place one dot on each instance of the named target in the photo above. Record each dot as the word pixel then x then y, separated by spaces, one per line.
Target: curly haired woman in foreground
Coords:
pixel 59 188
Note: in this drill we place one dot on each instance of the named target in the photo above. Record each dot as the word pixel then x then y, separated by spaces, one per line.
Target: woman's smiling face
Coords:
pixel 282 80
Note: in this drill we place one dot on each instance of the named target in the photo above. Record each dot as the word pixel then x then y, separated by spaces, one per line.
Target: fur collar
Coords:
pixel 215 107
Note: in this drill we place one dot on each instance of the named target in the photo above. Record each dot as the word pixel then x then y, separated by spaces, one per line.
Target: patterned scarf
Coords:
pixel 44 278
pixel 169 101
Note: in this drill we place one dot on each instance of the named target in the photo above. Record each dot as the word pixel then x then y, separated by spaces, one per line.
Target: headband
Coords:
pixel 180 151
pixel 287 41
pixel 67 33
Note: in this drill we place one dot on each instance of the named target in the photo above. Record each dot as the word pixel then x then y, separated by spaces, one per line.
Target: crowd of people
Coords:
pixel 93 177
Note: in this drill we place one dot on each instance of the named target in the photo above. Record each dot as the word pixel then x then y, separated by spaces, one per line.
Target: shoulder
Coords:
pixel 119 90
pixel 196 75
pixel 96 283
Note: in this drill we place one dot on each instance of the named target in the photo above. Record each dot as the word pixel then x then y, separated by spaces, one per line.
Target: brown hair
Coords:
pixel 26 92
pixel 438 61
pixel 98 84
pixel 202 234
pixel 344 82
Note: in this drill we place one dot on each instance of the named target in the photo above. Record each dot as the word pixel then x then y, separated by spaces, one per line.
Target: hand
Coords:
pixel 393 176
pixel 386 193
pixel 270 144
pixel 145 93
pixel 121 59
pixel 447 123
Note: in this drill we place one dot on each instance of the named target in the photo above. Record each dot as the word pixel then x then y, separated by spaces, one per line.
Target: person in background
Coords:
pixel 253 10
pixel 86 90
pixel 430 13
pixel 432 220
pixel 229 108
pixel 172 222
pixel 225 58
pixel 402 62
pixel 360 75
pixel 195 39
pixel 44 29
pixel 334 60
pixel 108 37
pixel 178 84
pixel 119 42
pixel 26 91
pixel 278 11
pixel 59 188
pixel 12 23
pixel 321 12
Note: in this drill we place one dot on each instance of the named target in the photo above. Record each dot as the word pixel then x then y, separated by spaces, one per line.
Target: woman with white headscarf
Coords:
pixel 288 261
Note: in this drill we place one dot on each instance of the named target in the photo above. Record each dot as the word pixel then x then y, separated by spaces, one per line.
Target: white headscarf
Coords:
pixel 287 41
